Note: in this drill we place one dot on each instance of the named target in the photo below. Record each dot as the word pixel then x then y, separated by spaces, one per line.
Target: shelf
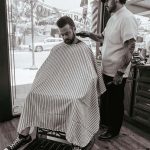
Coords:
pixel 141 120
pixel 143 94
pixel 143 107
pixel 144 79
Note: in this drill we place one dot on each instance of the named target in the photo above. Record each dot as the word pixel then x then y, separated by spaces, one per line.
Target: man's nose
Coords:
pixel 65 37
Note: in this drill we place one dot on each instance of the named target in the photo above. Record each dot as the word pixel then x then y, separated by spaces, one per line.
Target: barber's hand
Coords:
pixel 118 78
pixel 83 34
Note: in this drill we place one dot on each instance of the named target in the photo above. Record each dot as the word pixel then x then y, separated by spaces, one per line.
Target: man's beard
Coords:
pixel 112 8
pixel 69 41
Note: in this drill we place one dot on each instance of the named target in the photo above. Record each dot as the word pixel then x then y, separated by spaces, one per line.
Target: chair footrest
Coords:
pixel 45 144
pixel 41 132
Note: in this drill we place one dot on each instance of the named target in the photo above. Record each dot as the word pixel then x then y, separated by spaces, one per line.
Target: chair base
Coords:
pixel 45 144
pixel 53 140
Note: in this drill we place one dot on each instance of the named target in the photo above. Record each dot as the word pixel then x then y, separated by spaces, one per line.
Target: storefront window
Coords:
pixel 144 31
pixel 32 34
pixel 143 40
pixel 141 10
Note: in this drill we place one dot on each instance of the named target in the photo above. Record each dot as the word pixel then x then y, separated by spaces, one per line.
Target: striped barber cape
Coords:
pixel 64 94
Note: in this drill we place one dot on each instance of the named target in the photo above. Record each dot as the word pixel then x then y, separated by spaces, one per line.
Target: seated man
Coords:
pixel 64 94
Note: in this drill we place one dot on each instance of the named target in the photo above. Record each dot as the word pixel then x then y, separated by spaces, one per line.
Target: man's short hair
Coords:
pixel 121 1
pixel 61 22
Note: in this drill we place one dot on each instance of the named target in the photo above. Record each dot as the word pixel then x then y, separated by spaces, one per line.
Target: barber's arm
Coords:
pixel 95 37
pixel 129 47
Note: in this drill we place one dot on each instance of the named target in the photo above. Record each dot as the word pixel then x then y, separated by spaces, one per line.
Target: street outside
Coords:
pixel 24 74
pixel 23 65
pixel 35 22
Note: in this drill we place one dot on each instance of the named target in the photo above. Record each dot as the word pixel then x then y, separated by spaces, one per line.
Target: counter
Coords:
pixel 137 95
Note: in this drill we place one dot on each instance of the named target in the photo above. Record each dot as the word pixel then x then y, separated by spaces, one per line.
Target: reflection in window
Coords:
pixel 32 34
pixel 143 39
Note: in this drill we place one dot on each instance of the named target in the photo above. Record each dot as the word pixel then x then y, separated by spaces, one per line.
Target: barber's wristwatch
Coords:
pixel 120 73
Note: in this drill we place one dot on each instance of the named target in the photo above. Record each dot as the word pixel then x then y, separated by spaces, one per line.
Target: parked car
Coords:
pixel 46 44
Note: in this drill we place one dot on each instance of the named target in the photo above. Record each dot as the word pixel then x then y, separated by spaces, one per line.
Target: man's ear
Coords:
pixel 117 1
pixel 74 29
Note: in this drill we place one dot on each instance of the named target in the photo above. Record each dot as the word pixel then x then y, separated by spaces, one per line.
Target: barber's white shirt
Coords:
pixel 121 27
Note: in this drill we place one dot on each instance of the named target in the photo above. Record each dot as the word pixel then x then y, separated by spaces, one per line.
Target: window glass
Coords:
pixel 143 39
pixel 32 32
